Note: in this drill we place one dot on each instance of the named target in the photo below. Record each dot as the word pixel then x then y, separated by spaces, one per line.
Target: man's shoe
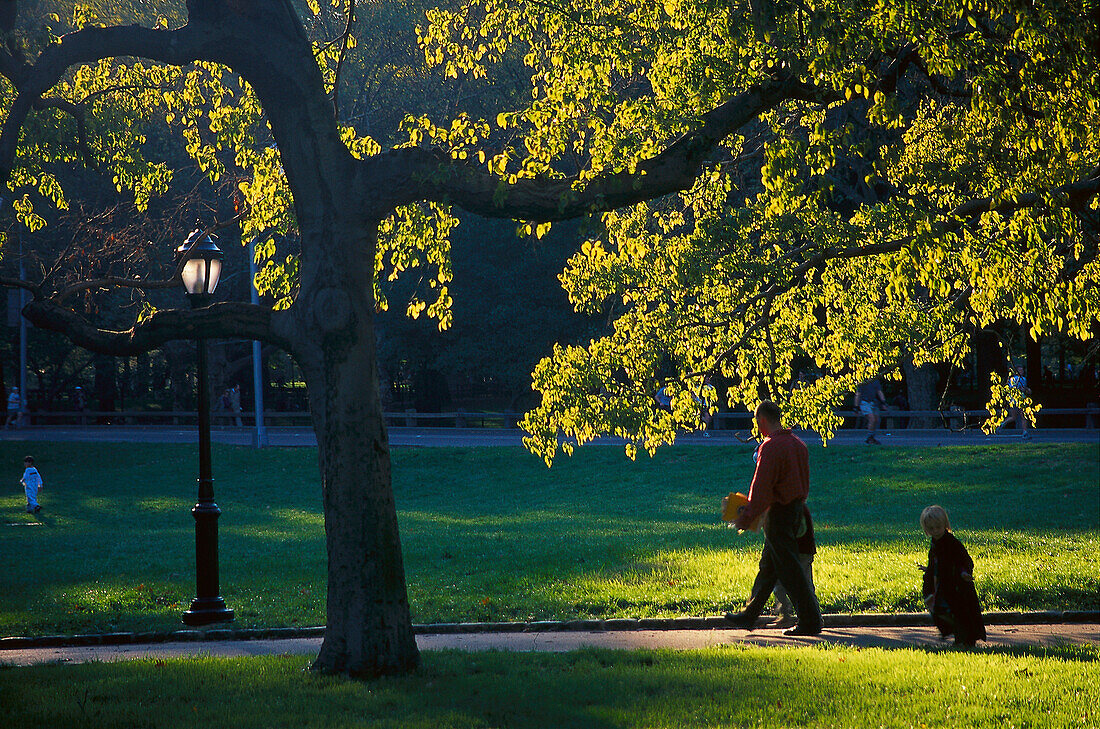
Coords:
pixel 784 621
pixel 741 620
pixel 37 509
pixel 799 630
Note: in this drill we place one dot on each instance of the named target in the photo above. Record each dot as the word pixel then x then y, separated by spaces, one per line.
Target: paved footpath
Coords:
pixel 1010 636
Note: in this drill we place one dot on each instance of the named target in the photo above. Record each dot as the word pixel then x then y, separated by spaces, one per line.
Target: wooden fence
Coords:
pixel 1073 418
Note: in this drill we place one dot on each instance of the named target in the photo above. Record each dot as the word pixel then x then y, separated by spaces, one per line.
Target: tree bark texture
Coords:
pixel 368 629
pixel 369 624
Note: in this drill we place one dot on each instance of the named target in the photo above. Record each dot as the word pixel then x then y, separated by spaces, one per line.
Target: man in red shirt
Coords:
pixel 780 486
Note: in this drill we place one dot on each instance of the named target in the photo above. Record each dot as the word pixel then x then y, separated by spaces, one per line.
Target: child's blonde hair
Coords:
pixel 934 516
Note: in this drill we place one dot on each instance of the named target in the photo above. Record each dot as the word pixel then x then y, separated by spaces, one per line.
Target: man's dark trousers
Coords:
pixel 780 562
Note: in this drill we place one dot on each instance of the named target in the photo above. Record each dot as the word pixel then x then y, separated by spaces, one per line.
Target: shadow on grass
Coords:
pixel 735 686
pixel 492 534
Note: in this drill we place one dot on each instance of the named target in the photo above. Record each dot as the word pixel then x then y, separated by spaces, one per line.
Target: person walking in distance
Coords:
pixel 780 486
pixel 1018 392
pixel 870 400
pixel 234 394
pixel 15 404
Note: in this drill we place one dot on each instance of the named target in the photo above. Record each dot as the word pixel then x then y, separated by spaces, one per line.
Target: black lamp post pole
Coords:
pixel 208 606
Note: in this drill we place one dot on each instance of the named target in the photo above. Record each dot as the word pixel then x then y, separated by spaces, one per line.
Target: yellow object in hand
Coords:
pixel 734 505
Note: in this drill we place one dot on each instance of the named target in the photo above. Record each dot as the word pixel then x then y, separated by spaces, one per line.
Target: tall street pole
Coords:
pixel 208 605
pixel 21 419
pixel 259 439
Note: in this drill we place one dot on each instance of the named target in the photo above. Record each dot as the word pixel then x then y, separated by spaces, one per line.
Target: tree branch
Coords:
pixel 145 283
pixel 344 38
pixel 18 283
pixel 131 283
pixel 412 174
pixel 89 45
pixel 76 111
pixel 229 320
pixel 1073 193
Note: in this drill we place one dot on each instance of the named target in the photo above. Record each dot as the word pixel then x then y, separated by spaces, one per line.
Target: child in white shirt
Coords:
pixel 32 483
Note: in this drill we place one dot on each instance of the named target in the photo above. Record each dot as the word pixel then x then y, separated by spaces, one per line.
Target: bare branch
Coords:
pixel 132 283
pixel 18 283
pixel 219 321
pixel 344 38
pixel 144 284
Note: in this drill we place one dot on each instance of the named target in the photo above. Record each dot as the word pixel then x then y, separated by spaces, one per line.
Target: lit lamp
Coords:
pixel 201 269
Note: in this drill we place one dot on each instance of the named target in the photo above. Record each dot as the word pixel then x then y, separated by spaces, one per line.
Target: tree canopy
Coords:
pixel 872 180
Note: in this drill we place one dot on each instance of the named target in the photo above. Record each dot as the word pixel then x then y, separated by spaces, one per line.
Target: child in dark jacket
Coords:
pixel 949 582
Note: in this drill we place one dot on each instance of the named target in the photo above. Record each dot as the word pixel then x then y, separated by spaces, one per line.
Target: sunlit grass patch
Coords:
pixel 491 534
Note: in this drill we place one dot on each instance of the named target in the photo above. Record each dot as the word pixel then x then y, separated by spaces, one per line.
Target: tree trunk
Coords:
pixel 105 384
pixel 369 625
pixel 1033 349
pixel 920 383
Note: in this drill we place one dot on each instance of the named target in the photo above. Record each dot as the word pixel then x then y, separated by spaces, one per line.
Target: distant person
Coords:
pixel 706 418
pixel 869 400
pixel 1018 391
pixel 663 399
pixel 15 404
pixel 779 488
pixel 32 484
pixel 80 402
pixel 956 420
pixel 235 403
pixel 948 587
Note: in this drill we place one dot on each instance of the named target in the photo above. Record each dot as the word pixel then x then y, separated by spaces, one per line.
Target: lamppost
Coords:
pixel 201 270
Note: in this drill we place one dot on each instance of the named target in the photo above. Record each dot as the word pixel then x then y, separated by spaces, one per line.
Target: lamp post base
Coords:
pixel 207 610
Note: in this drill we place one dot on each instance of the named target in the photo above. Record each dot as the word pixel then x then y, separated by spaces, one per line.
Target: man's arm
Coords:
pixel 761 492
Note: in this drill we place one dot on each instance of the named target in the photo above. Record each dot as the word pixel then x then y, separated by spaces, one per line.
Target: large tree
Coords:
pixel 830 179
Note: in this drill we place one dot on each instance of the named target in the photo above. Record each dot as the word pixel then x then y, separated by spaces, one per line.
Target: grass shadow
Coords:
pixel 491 534
pixel 734 686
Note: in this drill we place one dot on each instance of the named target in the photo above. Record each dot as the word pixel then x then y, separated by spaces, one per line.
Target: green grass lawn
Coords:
pixel 722 687
pixel 491 534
